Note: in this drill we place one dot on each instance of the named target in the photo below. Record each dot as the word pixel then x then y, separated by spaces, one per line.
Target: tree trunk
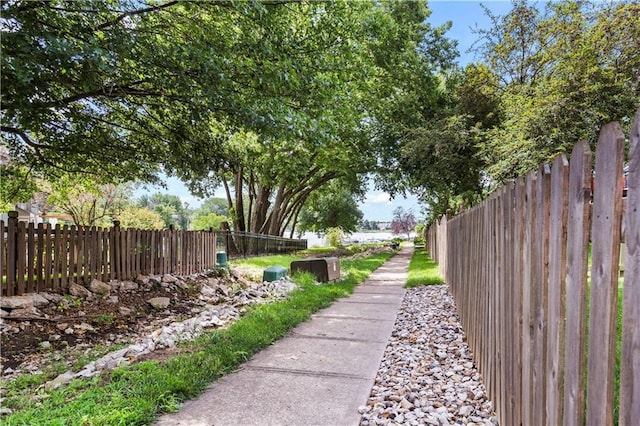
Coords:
pixel 239 202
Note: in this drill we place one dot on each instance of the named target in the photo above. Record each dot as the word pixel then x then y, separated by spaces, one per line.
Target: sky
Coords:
pixel 377 205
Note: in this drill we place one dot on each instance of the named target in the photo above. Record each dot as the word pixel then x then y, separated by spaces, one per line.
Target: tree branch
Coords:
pixel 135 13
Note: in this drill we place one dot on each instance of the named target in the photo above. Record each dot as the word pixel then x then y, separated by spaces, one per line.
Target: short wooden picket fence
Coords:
pixel 35 258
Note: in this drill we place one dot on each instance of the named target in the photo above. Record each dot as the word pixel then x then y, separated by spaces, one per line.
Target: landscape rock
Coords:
pixel 31 311
pixel 16 302
pixel 79 291
pixel 3 313
pixel 220 304
pixel 159 302
pixel 98 287
pixel 127 286
pixel 166 278
pixel 421 379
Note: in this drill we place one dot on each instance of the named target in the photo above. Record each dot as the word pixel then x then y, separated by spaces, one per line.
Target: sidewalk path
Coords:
pixel 320 374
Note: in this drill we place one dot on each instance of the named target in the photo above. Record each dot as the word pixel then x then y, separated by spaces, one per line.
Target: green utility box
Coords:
pixel 325 269
pixel 274 273
pixel 221 259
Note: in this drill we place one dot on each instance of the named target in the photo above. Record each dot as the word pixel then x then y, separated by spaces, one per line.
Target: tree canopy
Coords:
pixel 273 100
pixel 546 79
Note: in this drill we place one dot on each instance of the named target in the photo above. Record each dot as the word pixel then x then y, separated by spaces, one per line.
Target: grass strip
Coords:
pixel 422 270
pixel 139 393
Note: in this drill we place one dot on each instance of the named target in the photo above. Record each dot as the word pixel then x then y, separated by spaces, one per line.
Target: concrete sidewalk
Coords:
pixel 318 375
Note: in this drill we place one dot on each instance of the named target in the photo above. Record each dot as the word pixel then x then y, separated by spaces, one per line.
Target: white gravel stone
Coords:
pixel 427 375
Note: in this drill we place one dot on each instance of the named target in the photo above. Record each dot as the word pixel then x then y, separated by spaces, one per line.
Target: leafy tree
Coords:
pixel 169 207
pixel 403 222
pixel 17 185
pixel 218 206
pixel 205 222
pixel 341 60
pixel 87 201
pixel 139 218
pixel 296 95
pixel 331 207
pixel 563 74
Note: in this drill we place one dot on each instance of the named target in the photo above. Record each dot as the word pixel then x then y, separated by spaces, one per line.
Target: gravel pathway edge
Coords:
pixel 427 375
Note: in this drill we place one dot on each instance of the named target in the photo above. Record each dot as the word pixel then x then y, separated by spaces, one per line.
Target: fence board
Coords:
pixel 518 318
pixel 3 253
pixel 607 211
pixel 527 302
pixel 630 362
pixel 40 275
pixel 30 257
pixel 22 264
pixel 555 289
pixel 12 252
pixel 578 226
pixel 539 297
pixel 65 258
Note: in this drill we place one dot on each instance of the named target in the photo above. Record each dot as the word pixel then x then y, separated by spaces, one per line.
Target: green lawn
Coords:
pixel 138 394
pixel 423 270
pixel 266 261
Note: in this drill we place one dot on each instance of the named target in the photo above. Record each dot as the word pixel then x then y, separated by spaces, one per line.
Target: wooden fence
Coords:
pixel 517 266
pixel 39 257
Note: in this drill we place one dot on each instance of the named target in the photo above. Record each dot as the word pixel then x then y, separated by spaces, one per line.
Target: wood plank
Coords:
pixel 3 261
pixel 499 303
pixel 555 288
pixel 528 278
pixel 578 225
pixel 66 266
pixel 31 282
pixel 630 362
pixel 519 232
pixel 127 253
pixel 22 258
pixel 12 261
pixel 48 256
pixel 605 236
pixel 80 253
pixel 94 253
pixel 541 256
pixel 113 251
pixel 73 258
pixel 57 257
pixel 99 255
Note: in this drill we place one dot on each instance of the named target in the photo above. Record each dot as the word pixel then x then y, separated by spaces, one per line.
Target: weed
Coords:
pixel 104 319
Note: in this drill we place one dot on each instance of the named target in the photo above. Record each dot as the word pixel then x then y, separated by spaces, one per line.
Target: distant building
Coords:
pixel 28 212
pixel 383 226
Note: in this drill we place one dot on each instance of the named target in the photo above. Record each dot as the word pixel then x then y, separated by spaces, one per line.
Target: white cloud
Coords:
pixel 373 198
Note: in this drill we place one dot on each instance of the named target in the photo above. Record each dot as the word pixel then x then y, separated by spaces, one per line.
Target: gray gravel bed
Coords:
pixel 427 375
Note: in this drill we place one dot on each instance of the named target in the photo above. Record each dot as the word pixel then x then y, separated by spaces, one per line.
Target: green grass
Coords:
pixel 266 261
pixel 138 394
pixel 423 270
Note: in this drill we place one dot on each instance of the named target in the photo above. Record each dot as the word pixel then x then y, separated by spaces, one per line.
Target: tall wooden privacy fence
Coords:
pixel 518 268
pixel 39 257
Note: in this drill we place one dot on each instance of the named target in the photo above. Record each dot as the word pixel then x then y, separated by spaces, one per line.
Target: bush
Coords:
pixel 418 241
pixel 335 237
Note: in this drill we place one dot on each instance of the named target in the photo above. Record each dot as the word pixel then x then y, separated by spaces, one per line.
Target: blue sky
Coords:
pixel 464 15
